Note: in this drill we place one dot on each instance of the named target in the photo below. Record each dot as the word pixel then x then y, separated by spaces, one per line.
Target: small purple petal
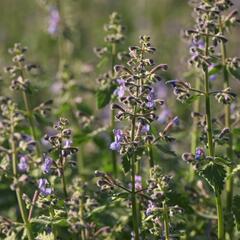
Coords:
pixel 23 164
pixel 116 146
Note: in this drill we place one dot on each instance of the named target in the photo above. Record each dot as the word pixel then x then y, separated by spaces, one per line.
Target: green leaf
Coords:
pixel 235 72
pixel 104 96
pixel 165 148
pixel 215 175
pixel 126 164
pixel 62 222
pixel 223 161
pixel 192 99
pixel 236 210
pixel 234 171
pixel 216 69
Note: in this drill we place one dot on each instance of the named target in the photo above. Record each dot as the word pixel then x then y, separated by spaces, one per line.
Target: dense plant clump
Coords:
pixel 143 164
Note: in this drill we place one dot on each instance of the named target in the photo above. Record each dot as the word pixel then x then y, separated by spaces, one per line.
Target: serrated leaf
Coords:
pixel 236 210
pixel 104 96
pixel 215 175
pixel 223 161
pixel 235 72
pixel 62 222
pixel 126 164
pixel 234 171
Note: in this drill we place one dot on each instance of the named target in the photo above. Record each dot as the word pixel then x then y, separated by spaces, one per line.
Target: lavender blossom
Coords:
pixel 164 115
pixel 120 91
pixel 46 167
pixel 145 128
pixel 54 20
pixel 138 183
pixel 23 164
pixel 150 100
pixel 42 186
pixel 150 208
pixel 199 154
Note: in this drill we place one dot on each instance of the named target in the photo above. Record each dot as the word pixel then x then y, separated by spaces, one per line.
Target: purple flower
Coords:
pixel 199 154
pixel 145 128
pixel 23 164
pixel 46 167
pixel 176 121
pixel 115 146
pixel 118 135
pixel 42 186
pixel 120 91
pixel 138 183
pixel 67 144
pixel 54 20
pixel 160 90
pixel 164 115
pixel 150 100
pixel 150 208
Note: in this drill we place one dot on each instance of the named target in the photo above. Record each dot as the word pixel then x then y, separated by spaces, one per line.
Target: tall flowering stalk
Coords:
pixel 18 73
pixel 10 119
pixel 226 21
pixel 115 36
pixel 204 57
pixel 137 104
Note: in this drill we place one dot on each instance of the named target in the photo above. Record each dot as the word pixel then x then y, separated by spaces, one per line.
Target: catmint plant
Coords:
pixel 15 161
pixel 204 57
pixel 136 107
pixel 107 81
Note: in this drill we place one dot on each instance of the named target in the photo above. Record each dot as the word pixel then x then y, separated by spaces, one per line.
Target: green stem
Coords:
pixel 150 153
pixel 166 221
pixel 112 113
pixel 21 204
pixel 31 121
pixel 227 116
pixel 54 231
pixel 135 216
pixel 63 179
pixel 220 217
pixel 210 143
pixel 195 133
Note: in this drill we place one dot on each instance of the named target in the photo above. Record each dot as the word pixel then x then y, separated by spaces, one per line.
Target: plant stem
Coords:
pixel 195 134
pixel 63 180
pixel 166 221
pixel 112 114
pixel 150 153
pixel 210 142
pixel 135 216
pixel 21 204
pixel 227 116
pixel 31 121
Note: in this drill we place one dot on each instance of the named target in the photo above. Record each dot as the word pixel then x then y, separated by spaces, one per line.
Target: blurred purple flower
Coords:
pixel 120 90
pixel 42 186
pixel 150 208
pixel 118 135
pixel 23 164
pixel 160 90
pixel 115 146
pixel 67 143
pixel 145 128
pixel 138 183
pixel 164 115
pixel 199 154
pixel 54 20
pixel 150 98
pixel 46 167
pixel 176 121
